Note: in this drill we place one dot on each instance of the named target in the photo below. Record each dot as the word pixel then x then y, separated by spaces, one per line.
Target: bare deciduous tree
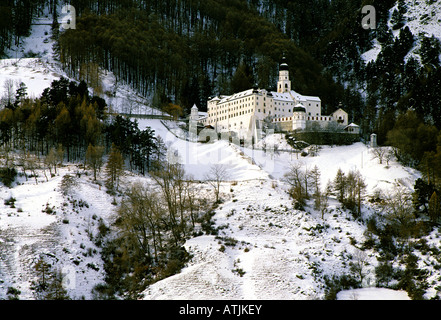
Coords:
pixel 215 176
pixel 142 217
pixel 398 210
pixel 297 179
pixel 9 92
pixel 379 153
pixel 358 264
pixel 94 158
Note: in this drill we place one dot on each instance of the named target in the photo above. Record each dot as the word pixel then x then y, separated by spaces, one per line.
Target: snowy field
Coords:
pixel 36 74
pixel 372 294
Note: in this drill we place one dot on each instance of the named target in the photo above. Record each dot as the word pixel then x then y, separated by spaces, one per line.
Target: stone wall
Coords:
pixel 325 138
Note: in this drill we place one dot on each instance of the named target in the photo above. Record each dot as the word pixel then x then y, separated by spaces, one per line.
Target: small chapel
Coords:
pixel 247 111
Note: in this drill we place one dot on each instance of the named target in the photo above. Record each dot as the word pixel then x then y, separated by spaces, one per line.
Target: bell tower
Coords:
pixel 284 84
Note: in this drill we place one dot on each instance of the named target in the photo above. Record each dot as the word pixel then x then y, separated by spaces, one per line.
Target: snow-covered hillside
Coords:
pixel 42 222
pixel 268 250
pixel 263 242
pixel 422 18
pixel 33 62
pixel 264 249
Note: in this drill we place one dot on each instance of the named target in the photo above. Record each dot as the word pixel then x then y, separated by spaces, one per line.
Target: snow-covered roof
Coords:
pixel 237 95
pixel 300 97
pixel 285 96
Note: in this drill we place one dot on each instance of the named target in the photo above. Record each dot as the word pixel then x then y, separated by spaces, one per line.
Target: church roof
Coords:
pixel 283 67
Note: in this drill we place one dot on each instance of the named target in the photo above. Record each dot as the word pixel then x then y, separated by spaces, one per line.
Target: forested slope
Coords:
pixel 188 50
pixel 184 51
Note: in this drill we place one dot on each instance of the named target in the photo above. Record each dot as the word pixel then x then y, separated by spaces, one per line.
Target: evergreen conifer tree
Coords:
pixel 114 168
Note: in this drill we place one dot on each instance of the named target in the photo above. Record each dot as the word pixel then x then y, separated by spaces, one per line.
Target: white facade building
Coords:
pixel 246 111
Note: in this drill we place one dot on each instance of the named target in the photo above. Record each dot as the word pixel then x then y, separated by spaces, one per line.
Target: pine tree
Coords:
pixel 114 168
pixel 242 79
pixel 430 50
pixel 434 207
pixel 94 158
pixel 397 20
pixel 20 94
pixel 340 185
pixel 55 289
pixel 42 269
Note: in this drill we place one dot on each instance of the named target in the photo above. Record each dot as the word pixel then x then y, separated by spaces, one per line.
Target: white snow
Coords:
pixel 277 251
pixel 28 231
pixel 372 294
pixel 372 54
pixel 197 158
pixel 35 73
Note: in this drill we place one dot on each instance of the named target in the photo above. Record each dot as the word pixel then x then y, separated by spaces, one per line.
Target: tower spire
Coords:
pixel 284 84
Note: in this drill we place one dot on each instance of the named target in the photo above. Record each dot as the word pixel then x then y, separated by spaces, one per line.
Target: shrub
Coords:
pixel 338 283
pixel 13 293
pixel 68 182
pixel 10 202
pixel 7 176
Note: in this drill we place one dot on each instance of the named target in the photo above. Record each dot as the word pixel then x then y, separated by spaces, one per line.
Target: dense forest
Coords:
pixel 69 122
pixel 186 51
